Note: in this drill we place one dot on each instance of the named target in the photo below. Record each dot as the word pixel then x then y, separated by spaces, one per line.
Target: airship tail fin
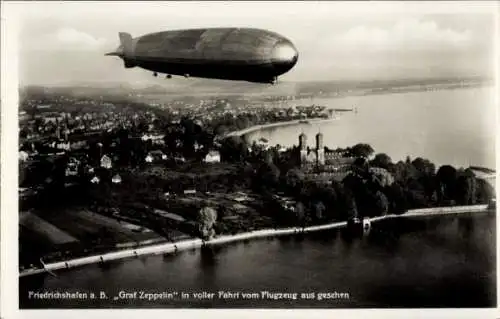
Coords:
pixel 125 50
pixel 126 46
pixel 126 42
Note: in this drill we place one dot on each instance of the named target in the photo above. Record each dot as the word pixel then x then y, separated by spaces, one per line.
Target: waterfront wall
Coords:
pixel 168 248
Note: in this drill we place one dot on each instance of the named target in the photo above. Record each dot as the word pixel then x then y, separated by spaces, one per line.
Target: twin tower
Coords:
pixel 314 156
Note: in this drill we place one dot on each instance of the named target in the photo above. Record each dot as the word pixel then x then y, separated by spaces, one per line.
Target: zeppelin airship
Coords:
pixel 240 54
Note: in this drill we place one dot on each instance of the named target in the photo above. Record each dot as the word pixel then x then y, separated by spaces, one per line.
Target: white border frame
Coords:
pixel 9 308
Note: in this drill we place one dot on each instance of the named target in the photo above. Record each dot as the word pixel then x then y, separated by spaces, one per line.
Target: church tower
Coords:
pixel 320 149
pixel 303 149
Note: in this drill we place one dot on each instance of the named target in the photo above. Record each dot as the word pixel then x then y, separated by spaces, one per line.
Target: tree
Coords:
pixel 300 214
pixel 424 166
pixel 359 199
pixel 330 198
pixel 233 149
pixel 307 191
pixel 484 192
pixel 294 178
pixel 381 160
pixel 124 147
pixel 60 165
pixel 416 194
pixel 466 188
pixel 142 127
pixel 267 176
pixel 381 178
pixel 403 171
pixel 245 174
pixel 221 130
pixel 397 198
pixel 382 203
pixel 289 159
pixel 352 209
pixel 446 177
pixel 360 164
pixel 206 220
pixel 23 132
pixel 319 210
pixel 362 150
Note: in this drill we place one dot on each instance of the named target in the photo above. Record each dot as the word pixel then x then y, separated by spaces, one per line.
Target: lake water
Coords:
pixel 454 127
pixel 420 262
pixel 424 262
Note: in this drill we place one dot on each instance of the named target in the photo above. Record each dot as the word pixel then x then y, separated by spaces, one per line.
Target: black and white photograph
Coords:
pixel 253 155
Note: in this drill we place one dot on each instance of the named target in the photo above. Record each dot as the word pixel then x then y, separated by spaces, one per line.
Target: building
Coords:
pixel 88 169
pixel 212 157
pixel 197 146
pixel 263 143
pixel 149 158
pixel 72 167
pixel 116 179
pixel 78 145
pixel 106 162
pixel 157 139
pixel 179 159
pixel 23 156
pixel 155 156
pixel 309 156
pixel 62 145
pixel 322 159
pixel 158 155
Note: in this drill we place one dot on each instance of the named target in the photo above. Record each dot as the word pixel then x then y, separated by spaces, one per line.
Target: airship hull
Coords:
pixel 222 53
pixel 213 69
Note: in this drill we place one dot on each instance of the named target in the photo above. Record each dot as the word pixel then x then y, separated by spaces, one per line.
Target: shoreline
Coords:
pixel 174 247
pixel 398 90
pixel 260 127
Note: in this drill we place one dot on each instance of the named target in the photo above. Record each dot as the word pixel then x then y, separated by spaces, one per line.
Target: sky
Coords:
pixel 65 42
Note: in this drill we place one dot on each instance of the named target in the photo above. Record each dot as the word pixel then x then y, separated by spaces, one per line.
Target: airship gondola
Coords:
pixel 240 54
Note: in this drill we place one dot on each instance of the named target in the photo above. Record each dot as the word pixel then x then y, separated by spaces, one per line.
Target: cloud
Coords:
pixel 75 38
pixel 66 39
pixel 405 35
pixel 401 48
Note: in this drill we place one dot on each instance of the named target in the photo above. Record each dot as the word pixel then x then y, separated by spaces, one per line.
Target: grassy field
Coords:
pixel 84 225
pixel 235 214
pixel 188 170
pixel 32 246
pixel 45 230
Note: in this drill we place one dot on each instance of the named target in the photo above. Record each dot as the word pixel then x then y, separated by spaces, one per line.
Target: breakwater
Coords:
pixel 169 248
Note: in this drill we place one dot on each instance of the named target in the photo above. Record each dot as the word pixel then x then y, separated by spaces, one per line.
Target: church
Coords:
pixel 320 158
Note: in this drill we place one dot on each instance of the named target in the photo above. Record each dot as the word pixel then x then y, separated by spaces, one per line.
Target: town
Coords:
pixel 104 173
pixel 71 148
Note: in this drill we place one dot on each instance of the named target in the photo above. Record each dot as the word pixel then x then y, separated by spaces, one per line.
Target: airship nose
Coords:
pixel 284 56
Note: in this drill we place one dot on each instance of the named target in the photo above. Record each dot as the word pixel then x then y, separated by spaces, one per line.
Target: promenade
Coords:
pixel 169 248
pixel 256 128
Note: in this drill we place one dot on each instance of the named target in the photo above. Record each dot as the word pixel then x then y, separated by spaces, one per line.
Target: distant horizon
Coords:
pixel 224 83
